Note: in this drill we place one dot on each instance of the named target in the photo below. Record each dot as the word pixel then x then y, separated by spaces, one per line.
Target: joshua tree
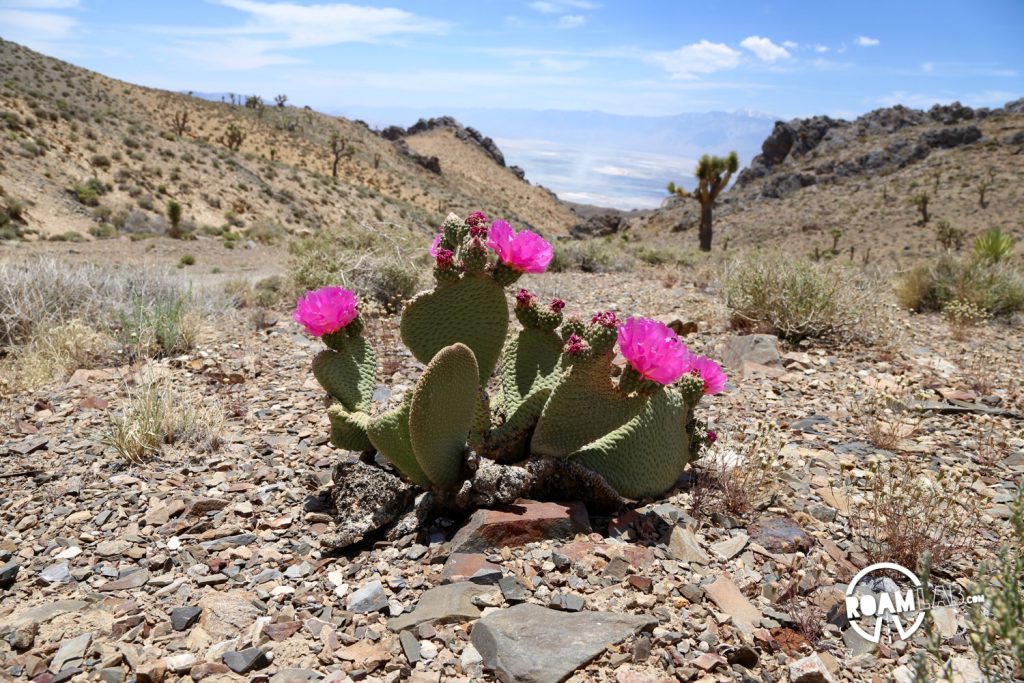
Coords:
pixel 339 150
pixel 280 100
pixel 836 234
pixel 253 102
pixel 713 174
pixel 233 137
pixel 921 202
pixel 180 122
pixel 174 216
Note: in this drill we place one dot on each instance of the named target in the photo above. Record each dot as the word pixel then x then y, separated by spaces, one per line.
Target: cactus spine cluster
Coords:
pixel 557 398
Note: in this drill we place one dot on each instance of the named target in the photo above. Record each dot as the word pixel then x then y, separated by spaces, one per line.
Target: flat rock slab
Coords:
pixel 730 600
pixel 522 523
pixel 780 535
pixel 532 644
pixel 42 614
pixel 227 615
pixel 443 605
pixel 761 349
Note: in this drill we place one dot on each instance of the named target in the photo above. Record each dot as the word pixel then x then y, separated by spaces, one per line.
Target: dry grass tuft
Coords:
pixel 886 415
pixel 735 478
pixel 54 354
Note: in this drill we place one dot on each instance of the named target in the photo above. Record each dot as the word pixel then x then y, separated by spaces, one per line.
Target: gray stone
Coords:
pixel 780 535
pixel 296 676
pixel 731 546
pixel 530 644
pixel 512 589
pixel 684 546
pixel 218 544
pixel 567 602
pixel 71 653
pixel 761 349
pixel 136 579
pixel 369 598
pixel 180 663
pixel 44 613
pixel 183 618
pixel 9 574
pixel 443 605
pixel 730 600
pixel 114 674
pixel 410 646
pixel 56 573
pixel 246 660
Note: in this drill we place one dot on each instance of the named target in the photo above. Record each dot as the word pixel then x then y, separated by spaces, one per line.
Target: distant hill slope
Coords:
pixel 65 125
pixel 820 175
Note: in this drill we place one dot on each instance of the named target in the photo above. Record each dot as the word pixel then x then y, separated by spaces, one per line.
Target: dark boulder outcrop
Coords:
pixel 950 113
pixel 599 225
pixel 946 138
pixel 784 183
pixel 431 163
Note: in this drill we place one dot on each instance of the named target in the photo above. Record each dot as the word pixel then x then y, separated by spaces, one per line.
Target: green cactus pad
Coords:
pixel 644 457
pixel 472 311
pixel 443 412
pixel 348 430
pixel 389 433
pixel 585 406
pixel 508 441
pixel 530 361
pixel 349 375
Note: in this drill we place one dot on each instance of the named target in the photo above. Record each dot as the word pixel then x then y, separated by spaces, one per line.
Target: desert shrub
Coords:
pixel 100 161
pixel 887 415
pixel 962 315
pixel 798 299
pixel 157 415
pixel 950 237
pixel 89 193
pixel 996 288
pixel 160 327
pixel 187 260
pixel 384 268
pixel 54 353
pixel 266 231
pixel 591 256
pixel 103 231
pixel 896 516
pixel 734 476
pixel 174 216
pixel 67 236
pixel 663 256
pixel 264 293
pixel 993 245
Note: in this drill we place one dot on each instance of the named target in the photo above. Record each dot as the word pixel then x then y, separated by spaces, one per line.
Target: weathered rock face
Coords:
pixel 944 138
pixel 532 644
pixel 600 225
pixel 467 134
pixel 366 499
pixel 431 163
pixel 524 522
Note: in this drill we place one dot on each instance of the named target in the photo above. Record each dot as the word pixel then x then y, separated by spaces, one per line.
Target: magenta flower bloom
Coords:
pixel 526 251
pixel 557 305
pixel 445 258
pixel 435 244
pixel 476 219
pixel 605 319
pixel 709 371
pixel 654 350
pixel 326 310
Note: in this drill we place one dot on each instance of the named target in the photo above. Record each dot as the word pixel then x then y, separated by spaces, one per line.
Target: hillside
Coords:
pixel 65 125
pixel 820 175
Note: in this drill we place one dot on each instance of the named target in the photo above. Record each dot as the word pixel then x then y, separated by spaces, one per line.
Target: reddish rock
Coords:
pixel 207 669
pixel 463 566
pixel 200 506
pixel 524 522
pixel 641 583
pixel 780 535
pixel 151 672
pixel 282 630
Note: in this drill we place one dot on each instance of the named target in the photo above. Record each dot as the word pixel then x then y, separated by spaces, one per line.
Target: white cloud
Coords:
pixel 34 28
pixel 764 49
pixel 39 4
pixel 864 41
pixel 571 21
pixel 561 6
pixel 820 49
pixel 545 7
pixel 698 58
pixel 790 45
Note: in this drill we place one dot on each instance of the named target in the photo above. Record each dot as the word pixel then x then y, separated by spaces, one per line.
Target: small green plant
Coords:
pixel 949 237
pixel 993 245
pixel 174 213
pixel 996 288
pixel 187 260
pixel 89 193
pixel 921 202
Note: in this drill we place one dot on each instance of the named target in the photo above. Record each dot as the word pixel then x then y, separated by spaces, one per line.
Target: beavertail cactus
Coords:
pixel 564 418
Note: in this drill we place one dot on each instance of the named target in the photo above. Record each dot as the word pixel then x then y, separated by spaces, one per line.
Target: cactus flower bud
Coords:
pixel 557 305
pixel 711 436
pixel 605 319
pixel 524 298
pixel 476 219
pixel 327 310
pixel 576 346
pixel 445 258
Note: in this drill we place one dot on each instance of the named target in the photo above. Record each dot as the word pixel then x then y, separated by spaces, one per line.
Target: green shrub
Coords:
pixel 187 260
pixel 996 288
pixel 590 256
pixel 103 231
pixel 385 269
pixel 800 299
pixel 993 245
pixel 174 216
pixel 99 161
pixel 90 192
pixel 266 231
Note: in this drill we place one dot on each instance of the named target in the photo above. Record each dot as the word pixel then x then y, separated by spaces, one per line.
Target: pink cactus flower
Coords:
pixel 575 345
pixel 435 244
pixel 712 436
pixel 709 371
pixel 326 310
pixel 526 251
pixel 557 305
pixel 605 319
pixel 654 350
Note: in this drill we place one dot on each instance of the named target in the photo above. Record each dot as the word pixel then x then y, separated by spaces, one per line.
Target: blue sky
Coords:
pixel 655 58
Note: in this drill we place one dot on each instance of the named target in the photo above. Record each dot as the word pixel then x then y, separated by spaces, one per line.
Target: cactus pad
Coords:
pixel 583 407
pixel 529 362
pixel 471 311
pixel 348 430
pixel 349 374
pixel 644 457
pixel 444 409
pixel 389 433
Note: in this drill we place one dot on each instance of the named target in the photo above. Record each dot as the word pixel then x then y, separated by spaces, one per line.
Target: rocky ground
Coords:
pixel 210 566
